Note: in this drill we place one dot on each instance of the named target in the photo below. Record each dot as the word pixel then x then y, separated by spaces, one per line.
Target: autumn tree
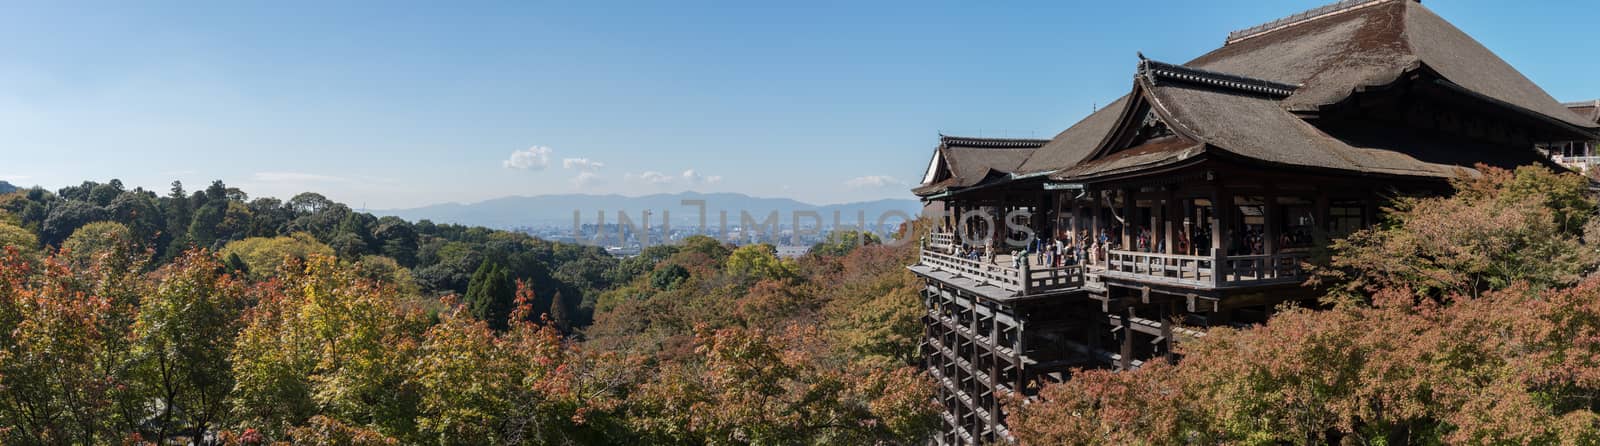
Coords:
pixel 101 242
pixel 323 342
pixel 752 387
pixel 1463 320
pixel 183 338
pixel 12 236
pixel 1501 227
pixel 262 255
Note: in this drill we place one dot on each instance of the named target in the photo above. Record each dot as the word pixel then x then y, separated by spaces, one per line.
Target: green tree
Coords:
pixel 262 255
pixel 101 242
pixel 840 243
pixel 14 237
pixel 321 341
pixel 1500 228
pixel 757 262
pixel 183 337
pixel 490 296
pixel 668 277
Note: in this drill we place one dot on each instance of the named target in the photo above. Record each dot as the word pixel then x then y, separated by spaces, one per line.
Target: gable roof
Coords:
pixel 1233 116
pixel 1589 110
pixel 1247 91
pixel 961 162
pixel 1371 43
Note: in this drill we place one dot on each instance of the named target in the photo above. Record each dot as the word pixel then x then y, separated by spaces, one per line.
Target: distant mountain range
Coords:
pixel 556 210
pixel 6 188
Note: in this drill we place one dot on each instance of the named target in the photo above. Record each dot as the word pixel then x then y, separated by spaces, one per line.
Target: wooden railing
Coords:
pixel 1283 267
pixel 1202 271
pixel 1181 269
pixel 1001 273
pixel 942 240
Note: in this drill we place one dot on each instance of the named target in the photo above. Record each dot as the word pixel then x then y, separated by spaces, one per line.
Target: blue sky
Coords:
pixel 388 105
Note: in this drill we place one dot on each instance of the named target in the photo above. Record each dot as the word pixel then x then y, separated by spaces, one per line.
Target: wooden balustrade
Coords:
pixel 1024 280
pixel 1181 269
pixel 1283 267
pixel 1201 271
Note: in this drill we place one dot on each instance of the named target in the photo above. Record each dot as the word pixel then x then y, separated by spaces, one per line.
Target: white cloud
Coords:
pixel 585 179
pixel 582 164
pixel 651 177
pixel 297 177
pixel 873 181
pixel 534 158
pixel 692 177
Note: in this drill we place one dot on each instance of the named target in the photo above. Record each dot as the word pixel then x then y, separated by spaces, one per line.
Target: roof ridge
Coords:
pixel 1155 71
pixel 992 143
pixel 1304 16
pixel 1588 103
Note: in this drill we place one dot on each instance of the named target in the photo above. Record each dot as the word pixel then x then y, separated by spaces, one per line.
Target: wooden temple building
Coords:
pixel 1579 155
pixel 1194 200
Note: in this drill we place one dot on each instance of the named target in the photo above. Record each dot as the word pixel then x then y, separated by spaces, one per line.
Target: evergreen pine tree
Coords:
pixel 490 296
pixel 558 313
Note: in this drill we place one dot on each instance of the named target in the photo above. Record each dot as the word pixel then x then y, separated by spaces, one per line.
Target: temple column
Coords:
pixel 1221 213
pixel 1168 211
pixel 1128 207
pixel 1270 223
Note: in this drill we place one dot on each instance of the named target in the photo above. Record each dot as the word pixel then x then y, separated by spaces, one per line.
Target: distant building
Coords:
pixel 1581 156
pixel 1201 192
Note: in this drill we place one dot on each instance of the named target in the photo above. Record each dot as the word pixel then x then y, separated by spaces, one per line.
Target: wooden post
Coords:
pixel 1221 213
pixel 1077 212
pixel 1094 231
pixel 1125 362
pixel 1128 206
pixel 1167 319
pixel 1169 211
pixel 1270 223
pixel 1027 274
pixel 1155 223
pixel 1021 352
pixel 1319 231
pixel 1091 335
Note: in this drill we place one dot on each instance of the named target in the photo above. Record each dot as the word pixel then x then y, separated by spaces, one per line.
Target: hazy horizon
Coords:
pixel 389 107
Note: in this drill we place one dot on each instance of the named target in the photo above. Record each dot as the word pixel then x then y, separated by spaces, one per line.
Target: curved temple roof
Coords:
pixel 961 162
pixel 1242 98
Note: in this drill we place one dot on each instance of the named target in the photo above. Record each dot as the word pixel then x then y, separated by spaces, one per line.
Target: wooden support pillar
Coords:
pixel 1092 328
pixel 1094 232
pixel 1369 211
pixel 1128 206
pixel 1077 214
pixel 1319 231
pixel 1169 211
pixel 1022 354
pixel 1125 361
pixel 1167 320
pixel 1221 213
pixel 1269 225
pixel 1155 223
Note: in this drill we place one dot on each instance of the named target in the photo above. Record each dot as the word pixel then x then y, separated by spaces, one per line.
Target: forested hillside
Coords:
pixel 141 318
pixel 259 232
